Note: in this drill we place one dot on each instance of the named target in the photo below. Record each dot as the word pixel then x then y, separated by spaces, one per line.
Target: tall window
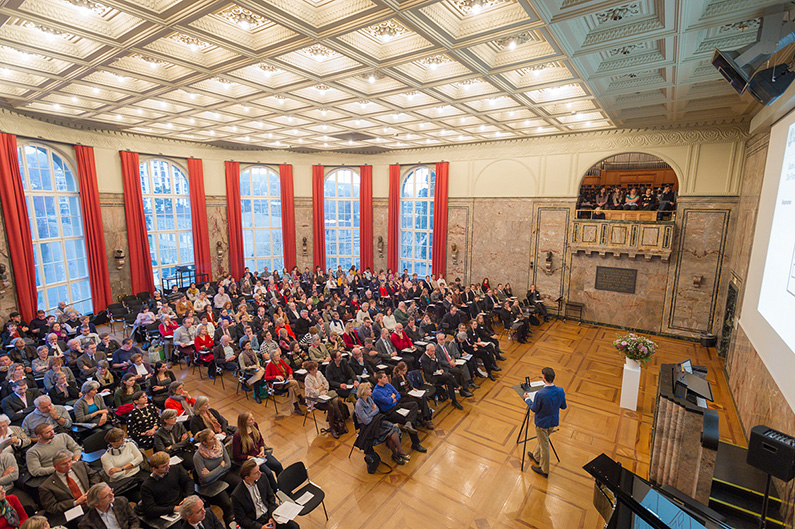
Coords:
pixel 56 224
pixel 416 221
pixel 261 208
pixel 341 192
pixel 166 197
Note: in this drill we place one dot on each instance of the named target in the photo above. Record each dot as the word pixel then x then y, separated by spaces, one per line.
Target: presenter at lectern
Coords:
pixel 546 404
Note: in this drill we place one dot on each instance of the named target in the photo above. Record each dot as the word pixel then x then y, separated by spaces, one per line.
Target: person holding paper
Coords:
pixel 213 464
pixel 447 361
pixel 546 403
pixel 403 413
pixel 317 392
pixel 67 487
pixel 253 501
pixel 340 376
pixel 173 438
pixel 248 443
pixel 401 382
pixel 277 371
pixel 434 374
pixel 122 463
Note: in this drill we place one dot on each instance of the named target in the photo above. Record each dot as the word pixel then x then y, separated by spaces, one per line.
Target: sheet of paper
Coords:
pixel 467 357
pixel 259 460
pixel 402 411
pixel 300 371
pixel 382 366
pixel 460 361
pixel 183 418
pixel 398 358
pixel 171 518
pixel 305 497
pixel 105 393
pixel 536 383
pixel 438 372
pixel 68 408
pixel 287 511
pixel 175 460
pixel 418 393
pixel 324 398
pixel 408 349
pixel 73 513
pixel 220 436
pixel 531 396
pixel 421 343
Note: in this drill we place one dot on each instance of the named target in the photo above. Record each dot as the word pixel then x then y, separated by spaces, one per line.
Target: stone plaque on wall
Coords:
pixel 616 279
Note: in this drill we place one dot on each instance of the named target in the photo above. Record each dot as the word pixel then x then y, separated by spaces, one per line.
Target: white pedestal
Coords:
pixel 630 385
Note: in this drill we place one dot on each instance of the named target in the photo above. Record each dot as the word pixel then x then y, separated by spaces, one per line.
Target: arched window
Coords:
pixel 261 210
pixel 416 221
pixel 341 193
pixel 56 225
pixel 166 198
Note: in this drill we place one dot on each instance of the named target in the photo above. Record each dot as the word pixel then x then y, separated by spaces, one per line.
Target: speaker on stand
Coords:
pixel 772 452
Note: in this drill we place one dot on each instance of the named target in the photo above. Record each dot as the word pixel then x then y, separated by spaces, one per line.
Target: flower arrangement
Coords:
pixel 634 347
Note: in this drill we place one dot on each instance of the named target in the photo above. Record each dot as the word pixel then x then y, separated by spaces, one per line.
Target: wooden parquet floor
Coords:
pixel 471 476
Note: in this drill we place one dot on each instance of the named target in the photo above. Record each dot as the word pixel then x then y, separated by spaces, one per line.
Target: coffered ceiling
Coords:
pixel 371 75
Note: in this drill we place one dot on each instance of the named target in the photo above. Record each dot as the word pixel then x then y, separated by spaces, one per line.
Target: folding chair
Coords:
pixel 294 482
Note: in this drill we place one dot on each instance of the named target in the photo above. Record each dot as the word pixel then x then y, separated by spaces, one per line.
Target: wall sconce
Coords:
pixel 380 246
pixel 454 250
pixel 303 245
pixel 119 256
pixel 219 251
pixel 697 280
pixel 548 264
pixel 4 282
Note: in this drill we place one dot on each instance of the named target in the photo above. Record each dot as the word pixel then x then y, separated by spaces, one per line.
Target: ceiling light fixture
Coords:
pixel 192 42
pixel 56 106
pixel 151 61
pixel 268 69
pixel 280 99
pixel 363 103
pixel 322 87
pixel 387 30
pixel 513 41
pixel 319 52
pixel 435 61
pixel 88 6
pixel 244 18
pixel 475 7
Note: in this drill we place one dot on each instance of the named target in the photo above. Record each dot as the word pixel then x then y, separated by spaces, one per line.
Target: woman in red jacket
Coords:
pixel 179 399
pixel 280 376
pixel 11 512
pixel 350 337
pixel 203 344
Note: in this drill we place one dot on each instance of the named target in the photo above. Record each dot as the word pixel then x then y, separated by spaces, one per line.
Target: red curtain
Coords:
pixel 235 221
pixel 138 253
pixel 366 216
pixel 98 275
pixel 318 217
pixel 439 257
pixel 288 215
pixel 15 214
pixel 198 216
pixel 393 226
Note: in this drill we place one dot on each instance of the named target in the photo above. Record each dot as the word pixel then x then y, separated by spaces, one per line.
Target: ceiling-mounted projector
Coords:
pixel 740 67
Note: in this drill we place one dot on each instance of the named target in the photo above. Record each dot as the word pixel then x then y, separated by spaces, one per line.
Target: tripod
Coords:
pixel 526 428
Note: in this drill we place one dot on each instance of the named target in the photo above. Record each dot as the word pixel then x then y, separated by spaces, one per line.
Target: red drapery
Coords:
pixel 235 222
pixel 198 216
pixel 393 229
pixel 138 253
pixel 15 214
pixel 366 216
pixel 288 215
pixel 98 275
pixel 318 217
pixel 439 256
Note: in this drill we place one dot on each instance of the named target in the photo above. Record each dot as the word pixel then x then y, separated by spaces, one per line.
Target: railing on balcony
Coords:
pixel 623 234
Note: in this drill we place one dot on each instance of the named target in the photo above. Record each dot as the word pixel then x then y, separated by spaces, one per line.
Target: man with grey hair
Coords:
pixel 105 511
pixel 195 516
pixel 47 413
pixel 66 488
pixel 221 299
pixel 184 335
pixel 87 363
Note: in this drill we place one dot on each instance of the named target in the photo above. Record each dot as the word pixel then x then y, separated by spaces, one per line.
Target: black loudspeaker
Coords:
pixel 772 452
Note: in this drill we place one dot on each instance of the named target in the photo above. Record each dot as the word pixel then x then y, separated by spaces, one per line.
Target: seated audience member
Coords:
pixel 56 366
pixel 21 353
pixel 317 392
pixel 318 351
pixel 104 376
pixel 47 413
pixel 71 355
pixel 174 439
pixel 350 337
pixel 38 326
pixel 598 214
pixel 41 364
pixel 105 510
pixel 90 408
pixel 195 516
pixel 402 384
pixel 122 463
pixel 122 357
pixel 280 375
pixel 224 356
pixel 12 513
pixel 451 320
pixel 16 372
pixel 63 393
pixel 160 382
pixel 85 336
pixel 248 443
pixel 250 366
pixel 143 421
pixel 87 363
pixel 363 369
pixel 632 200
pixel 253 501
pixel 39 458
pixel 447 360
pixel 19 404
pixel 212 464
pixel 142 370
pixel 206 417
pixel 11 437
pixel 179 399
pixel 520 324
pixel 165 489
pixel 66 488
pixel 107 345
pixel 667 201
pixel 388 400
pixel 648 200
pixel 434 374
pixel 340 376
pixel 123 397
pixel 375 428
pixel 616 200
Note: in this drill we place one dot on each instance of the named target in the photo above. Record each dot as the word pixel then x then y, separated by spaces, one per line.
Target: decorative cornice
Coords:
pixel 619 32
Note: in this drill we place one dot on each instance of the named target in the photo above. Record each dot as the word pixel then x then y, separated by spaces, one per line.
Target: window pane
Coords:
pixel 245 183
pixel 246 214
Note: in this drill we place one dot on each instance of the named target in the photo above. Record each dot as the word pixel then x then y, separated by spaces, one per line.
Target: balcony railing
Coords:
pixel 623 235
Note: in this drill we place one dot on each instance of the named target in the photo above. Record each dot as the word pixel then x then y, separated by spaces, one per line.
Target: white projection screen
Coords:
pixel 768 312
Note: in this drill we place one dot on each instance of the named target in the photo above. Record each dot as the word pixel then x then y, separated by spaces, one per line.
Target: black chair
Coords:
pixel 143 296
pixel 240 375
pixel 117 315
pixel 130 299
pixel 94 446
pixel 294 482
pixel 129 323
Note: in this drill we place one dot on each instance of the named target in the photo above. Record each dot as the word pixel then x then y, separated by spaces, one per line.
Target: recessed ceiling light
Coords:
pixel 540 129
pixel 358 121
pixel 482 128
pixel 289 119
pixel 324 112
pixel 371 79
pixel 192 121
pixel 246 138
pixel 118 116
pixel 324 127
pixel 527 123
pixel 325 145
pixel 140 111
pixel 212 133
pixel 95 90
pixel 460 137
pixel 300 140
pixel 512 113
pixel 568 105
pixel 587 123
pixel 246 109
pixel 512 45
pixel 270 135
pixel 169 125
pixel 234 128
pixel 74 100
pixel 56 106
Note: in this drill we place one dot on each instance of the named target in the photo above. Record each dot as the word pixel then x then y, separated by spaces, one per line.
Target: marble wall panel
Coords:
pixel 303 228
pixel 500 242
pixel 218 228
pixel 641 310
pixel 551 226
pixel 458 230
pixel 698 262
pixel 380 228
pixel 114 224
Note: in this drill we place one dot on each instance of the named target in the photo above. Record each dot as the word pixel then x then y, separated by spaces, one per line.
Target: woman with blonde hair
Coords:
pixel 318 394
pixel 248 443
pixel 207 418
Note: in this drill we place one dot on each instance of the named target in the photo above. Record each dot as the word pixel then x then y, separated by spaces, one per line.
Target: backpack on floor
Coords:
pixel 373 461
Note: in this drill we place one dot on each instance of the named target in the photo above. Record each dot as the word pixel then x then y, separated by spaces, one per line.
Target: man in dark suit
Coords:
pixel 55 346
pixel 253 501
pixel 68 486
pixel 19 404
pixel 195 516
pixel 103 506
pixel 437 376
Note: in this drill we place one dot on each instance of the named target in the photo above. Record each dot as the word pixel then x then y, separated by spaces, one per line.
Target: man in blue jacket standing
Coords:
pixel 546 403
